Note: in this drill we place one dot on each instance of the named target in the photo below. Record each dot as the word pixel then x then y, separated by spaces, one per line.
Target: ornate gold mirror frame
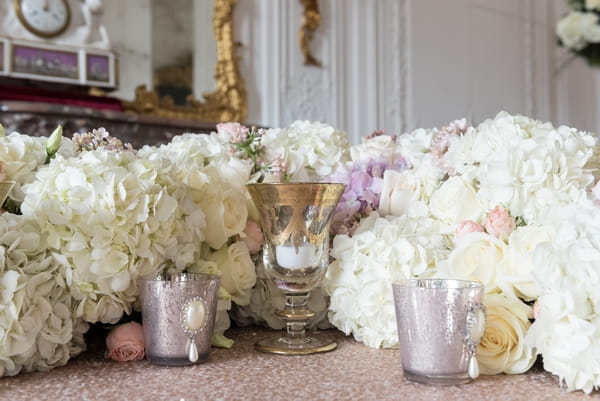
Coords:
pixel 227 103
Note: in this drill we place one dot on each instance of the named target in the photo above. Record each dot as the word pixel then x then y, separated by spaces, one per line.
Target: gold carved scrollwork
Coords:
pixel 311 20
pixel 226 103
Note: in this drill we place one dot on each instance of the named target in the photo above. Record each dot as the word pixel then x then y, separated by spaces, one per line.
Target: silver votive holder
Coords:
pixel 440 323
pixel 178 314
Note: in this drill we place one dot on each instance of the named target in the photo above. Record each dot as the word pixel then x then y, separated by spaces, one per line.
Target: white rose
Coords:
pixel 225 211
pixel 398 189
pixel 503 347
pixel 402 189
pixel 236 212
pixel 238 274
pixel 592 4
pixel 380 147
pixel 455 201
pixel 477 257
pixel 577 29
pixel 516 269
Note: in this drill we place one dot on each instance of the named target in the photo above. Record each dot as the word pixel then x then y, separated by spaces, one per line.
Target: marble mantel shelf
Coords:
pixel 37 118
pixel 352 372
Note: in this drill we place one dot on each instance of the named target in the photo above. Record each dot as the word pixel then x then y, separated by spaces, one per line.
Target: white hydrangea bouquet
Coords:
pixel 505 203
pixel 473 203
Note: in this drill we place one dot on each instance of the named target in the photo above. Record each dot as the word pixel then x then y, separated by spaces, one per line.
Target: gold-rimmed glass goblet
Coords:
pixel 295 219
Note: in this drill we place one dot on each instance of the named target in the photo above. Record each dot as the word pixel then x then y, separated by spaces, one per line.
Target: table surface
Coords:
pixel 351 372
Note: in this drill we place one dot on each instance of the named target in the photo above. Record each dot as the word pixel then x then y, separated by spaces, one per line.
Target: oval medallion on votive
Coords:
pixel 194 315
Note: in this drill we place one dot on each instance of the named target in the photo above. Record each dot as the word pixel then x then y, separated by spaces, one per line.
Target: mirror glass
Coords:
pixel 183 49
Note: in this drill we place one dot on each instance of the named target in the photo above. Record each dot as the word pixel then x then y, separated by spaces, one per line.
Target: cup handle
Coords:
pixel 474 330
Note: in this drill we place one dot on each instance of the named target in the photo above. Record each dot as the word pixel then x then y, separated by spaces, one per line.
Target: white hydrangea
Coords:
pixel 113 218
pixel 566 331
pixel 415 146
pixel 523 164
pixel 382 250
pixel 200 157
pixel 216 181
pixel 311 150
pixel 22 155
pixel 578 29
pixel 39 329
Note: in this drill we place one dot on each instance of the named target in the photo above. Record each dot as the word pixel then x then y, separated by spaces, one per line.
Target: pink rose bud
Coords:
pixel 125 343
pixel 466 227
pixel 254 237
pixel 500 223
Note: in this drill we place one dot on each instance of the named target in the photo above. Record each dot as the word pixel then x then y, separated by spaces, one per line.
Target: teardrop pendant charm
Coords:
pixel 473 368
pixel 193 353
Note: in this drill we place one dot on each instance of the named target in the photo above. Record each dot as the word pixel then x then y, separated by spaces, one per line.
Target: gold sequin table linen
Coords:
pixel 352 372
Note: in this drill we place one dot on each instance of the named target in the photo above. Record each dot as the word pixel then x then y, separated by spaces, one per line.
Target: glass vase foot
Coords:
pixel 284 346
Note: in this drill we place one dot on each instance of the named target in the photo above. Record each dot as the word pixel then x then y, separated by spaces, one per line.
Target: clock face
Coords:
pixel 45 18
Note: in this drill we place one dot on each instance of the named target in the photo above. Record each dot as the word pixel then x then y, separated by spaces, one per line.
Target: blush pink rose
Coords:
pixel 125 343
pixel 466 227
pixel 254 237
pixel 500 223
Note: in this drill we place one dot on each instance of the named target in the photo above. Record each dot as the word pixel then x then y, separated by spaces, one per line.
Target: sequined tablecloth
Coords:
pixel 352 372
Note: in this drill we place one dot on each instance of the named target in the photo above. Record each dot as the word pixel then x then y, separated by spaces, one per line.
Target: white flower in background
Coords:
pixel 523 164
pixel 415 146
pixel 578 29
pixel 377 146
pixel 566 330
pixel 592 4
pixel 381 251
pixel 22 156
pixel 502 348
pixel 38 326
pixel 311 150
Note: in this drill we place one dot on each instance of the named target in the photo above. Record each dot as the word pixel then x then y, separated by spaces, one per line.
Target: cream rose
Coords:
pixel 477 257
pixel 238 274
pixel 455 201
pixel 235 213
pixel 226 214
pixel 396 193
pixel 502 348
pixel 125 343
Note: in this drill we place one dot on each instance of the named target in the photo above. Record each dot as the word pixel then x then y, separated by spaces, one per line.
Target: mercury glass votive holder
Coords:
pixel 178 314
pixel 440 323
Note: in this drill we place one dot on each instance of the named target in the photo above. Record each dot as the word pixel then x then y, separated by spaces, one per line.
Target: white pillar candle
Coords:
pixel 292 257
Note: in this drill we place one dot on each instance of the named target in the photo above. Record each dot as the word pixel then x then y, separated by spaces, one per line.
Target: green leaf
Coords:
pixel 220 341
